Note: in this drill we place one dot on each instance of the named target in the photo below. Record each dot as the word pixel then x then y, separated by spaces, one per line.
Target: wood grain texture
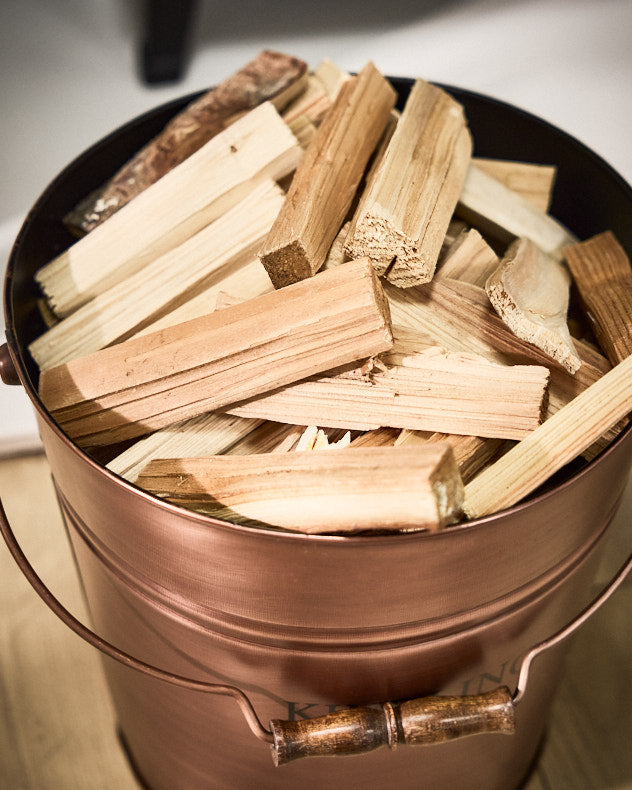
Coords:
pixel 405 210
pixel 326 180
pixel 323 491
pixel 602 273
pixel 199 190
pixel 270 76
pixel 58 729
pixel 148 382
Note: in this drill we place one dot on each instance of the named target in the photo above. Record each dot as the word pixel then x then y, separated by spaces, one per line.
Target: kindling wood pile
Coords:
pixel 301 308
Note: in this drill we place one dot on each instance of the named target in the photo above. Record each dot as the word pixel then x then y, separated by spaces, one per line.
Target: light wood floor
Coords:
pixel 57 727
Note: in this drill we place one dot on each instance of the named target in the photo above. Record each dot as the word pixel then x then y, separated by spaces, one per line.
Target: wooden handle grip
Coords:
pixel 419 721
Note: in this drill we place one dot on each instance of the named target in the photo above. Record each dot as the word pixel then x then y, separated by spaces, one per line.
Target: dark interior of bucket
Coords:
pixel 589 197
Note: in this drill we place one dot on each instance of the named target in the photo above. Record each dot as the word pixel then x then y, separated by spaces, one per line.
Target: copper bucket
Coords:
pixel 281 626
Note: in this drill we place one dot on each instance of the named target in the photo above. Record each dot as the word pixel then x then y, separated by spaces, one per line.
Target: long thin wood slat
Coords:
pixel 530 291
pixel 434 390
pixel 324 491
pixel 267 437
pixel 500 212
pixel 151 381
pixel 601 271
pixel 206 434
pixel 258 147
pixel 406 207
pixel 270 76
pixel 533 181
pixel 120 310
pixel 557 441
pixel 327 178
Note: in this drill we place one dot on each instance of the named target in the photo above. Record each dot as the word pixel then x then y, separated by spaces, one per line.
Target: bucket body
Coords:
pixel 305 624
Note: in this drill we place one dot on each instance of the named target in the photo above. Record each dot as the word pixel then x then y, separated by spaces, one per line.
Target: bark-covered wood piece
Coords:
pixel 271 76
pixel 257 147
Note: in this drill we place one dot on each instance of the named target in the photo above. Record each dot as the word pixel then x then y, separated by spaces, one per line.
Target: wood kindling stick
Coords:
pixel 206 434
pixel 432 390
pixel 147 382
pixel 244 279
pixel 557 441
pixel 601 271
pixel 458 316
pixel 404 212
pixel 258 147
pixel 469 258
pixel 530 291
pixel 323 491
pixel 471 453
pixel 500 212
pixel 533 181
pixel 270 76
pixel 327 178
pixel 146 294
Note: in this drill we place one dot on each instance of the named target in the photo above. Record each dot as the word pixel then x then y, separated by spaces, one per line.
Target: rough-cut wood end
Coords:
pixel 287 264
pixel 530 292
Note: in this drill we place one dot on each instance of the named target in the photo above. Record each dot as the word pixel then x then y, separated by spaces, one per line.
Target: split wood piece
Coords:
pixel 434 390
pixel 601 271
pixel 534 182
pixel 326 491
pixel 241 280
pixel 304 130
pixel 458 316
pixel 271 76
pixel 312 438
pixel 471 453
pixel 207 434
pixel 211 181
pixel 468 258
pixel 320 92
pixel 148 382
pixel 119 311
pixel 327 178
pixel 530 292
pixel 406 208
pixel 499 212
pixel 555 443
pixel 380 437
pixel 267 437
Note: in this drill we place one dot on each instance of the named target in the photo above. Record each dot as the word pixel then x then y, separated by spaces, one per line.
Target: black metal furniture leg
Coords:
pixel 164 52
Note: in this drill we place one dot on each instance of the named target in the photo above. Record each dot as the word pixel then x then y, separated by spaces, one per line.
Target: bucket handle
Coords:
pixel 426 720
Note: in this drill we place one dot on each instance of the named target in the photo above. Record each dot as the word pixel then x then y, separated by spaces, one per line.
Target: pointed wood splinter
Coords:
pixel 530 292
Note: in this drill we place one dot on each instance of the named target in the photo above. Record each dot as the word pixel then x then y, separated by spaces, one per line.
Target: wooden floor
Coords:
pixel 57 726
